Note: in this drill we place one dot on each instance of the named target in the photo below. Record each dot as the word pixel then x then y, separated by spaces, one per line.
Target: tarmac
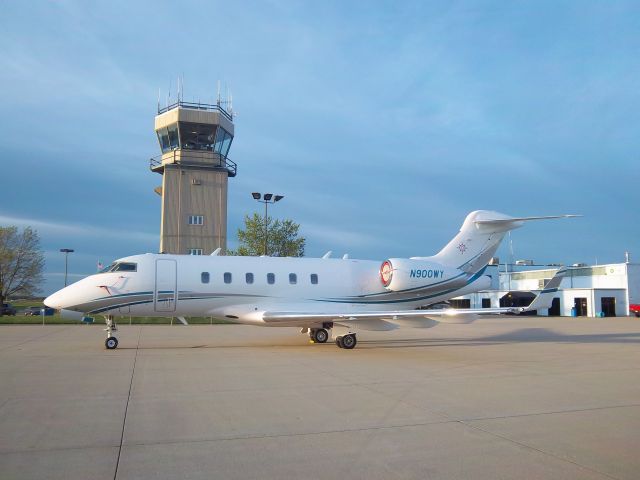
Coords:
pixel 503 398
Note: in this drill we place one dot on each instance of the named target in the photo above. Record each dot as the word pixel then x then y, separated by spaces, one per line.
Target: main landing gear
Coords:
pixel 347 342
pixel 318 335
pixel 111 342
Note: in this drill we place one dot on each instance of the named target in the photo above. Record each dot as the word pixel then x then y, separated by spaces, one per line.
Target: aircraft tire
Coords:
pixel 320 335
pixel 111 343
pixel 339 342
pixel 349 341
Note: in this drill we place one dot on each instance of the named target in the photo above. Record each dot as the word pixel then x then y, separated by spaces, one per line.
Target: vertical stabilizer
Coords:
pixel 479 238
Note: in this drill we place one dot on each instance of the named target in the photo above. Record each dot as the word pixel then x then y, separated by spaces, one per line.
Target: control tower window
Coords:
pixel 163 138
pixel 223 142
pixel 226 143
pixel 173 136
pixel 197 136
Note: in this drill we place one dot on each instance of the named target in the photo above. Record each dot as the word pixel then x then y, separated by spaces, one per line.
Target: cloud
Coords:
pixel 336 237
pixel 76 229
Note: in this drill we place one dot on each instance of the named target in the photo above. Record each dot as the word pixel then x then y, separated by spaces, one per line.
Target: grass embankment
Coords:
pixel 56 319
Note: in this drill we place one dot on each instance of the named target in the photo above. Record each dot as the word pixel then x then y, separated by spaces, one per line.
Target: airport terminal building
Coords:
pixel 588 291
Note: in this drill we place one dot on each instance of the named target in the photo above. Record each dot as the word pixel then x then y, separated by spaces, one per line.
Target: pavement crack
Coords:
pixel 55 332
pixel 543 452
pixel 126 408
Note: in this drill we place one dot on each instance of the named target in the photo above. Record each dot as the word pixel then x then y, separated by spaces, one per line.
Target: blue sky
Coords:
pixel 382 123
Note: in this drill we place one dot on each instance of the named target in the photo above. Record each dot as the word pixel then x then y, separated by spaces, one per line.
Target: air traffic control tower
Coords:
pixel 195 140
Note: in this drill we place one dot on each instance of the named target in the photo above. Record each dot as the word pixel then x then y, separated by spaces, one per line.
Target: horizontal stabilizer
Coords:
pixel 497 221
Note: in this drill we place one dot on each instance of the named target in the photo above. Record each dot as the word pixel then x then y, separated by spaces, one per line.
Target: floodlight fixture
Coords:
pixel 266 198
pixel 66 252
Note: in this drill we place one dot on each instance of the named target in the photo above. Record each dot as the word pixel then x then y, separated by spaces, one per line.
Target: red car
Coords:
pixel 635 309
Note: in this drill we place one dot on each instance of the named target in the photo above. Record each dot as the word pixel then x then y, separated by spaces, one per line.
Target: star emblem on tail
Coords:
pixel 462 247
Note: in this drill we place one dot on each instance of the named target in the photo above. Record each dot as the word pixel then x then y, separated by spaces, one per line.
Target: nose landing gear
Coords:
pixel 111 342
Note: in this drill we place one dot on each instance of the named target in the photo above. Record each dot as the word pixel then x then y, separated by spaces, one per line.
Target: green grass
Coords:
pixel 20 319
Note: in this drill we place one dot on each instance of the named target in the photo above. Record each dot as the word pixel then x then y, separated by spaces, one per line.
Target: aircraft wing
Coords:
pixel 300 314
pixel 388 320
pixel 410 318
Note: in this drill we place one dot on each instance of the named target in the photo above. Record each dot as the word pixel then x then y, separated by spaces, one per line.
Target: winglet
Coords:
pixel 545 298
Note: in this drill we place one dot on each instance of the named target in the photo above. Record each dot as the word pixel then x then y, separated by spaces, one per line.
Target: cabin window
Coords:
pixel 204 277
pixel 249 278
pixel 227 277
pixel 195 251
pixel 314 278
pixel 293 278
pixel 271 278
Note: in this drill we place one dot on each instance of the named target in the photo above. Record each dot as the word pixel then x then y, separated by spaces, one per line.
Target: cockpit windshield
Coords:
pixel 120 267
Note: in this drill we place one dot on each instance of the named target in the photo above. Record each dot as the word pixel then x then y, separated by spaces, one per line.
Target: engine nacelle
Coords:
pixel 397 274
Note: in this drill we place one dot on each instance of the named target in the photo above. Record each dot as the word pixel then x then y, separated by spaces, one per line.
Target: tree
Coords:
pixel 21 262
pixel 283 240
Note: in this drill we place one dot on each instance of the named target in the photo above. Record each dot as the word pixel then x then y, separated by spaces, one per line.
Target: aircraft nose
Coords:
pixel 60 299
pixel 54 301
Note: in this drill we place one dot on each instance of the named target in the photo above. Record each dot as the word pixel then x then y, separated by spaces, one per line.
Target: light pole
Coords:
pixel 267 198
pixel 66 252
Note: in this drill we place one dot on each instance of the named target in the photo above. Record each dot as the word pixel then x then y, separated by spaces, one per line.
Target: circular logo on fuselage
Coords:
pixel 386 273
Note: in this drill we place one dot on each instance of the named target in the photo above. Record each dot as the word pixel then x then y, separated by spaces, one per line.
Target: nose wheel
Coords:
pixel 111 342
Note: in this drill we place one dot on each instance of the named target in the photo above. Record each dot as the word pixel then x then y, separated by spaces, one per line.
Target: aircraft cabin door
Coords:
pixel 165 293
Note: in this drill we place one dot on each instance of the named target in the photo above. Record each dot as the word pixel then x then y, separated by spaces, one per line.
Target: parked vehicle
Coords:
pixel 29 311
pixel 635 309
pixel 7 309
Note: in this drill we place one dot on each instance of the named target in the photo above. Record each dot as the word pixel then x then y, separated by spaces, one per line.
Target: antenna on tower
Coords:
pixel 218 100
pixel 178 88
pixel 158 98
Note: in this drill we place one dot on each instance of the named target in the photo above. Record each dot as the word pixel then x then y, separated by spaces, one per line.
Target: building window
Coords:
pixel 204 277
pixel 196 219
pixel 293 278
pixel 486 303
pixel 249 278
pixel 314 278
pixel 195 251
pixel 460 303
pixel 271 278
pixel 227 277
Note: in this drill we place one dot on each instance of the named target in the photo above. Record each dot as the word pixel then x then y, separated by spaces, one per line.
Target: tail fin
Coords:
pixel 545 298
pixel 479 238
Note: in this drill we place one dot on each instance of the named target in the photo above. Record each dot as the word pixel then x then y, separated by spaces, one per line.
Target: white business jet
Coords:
pixel 320 295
